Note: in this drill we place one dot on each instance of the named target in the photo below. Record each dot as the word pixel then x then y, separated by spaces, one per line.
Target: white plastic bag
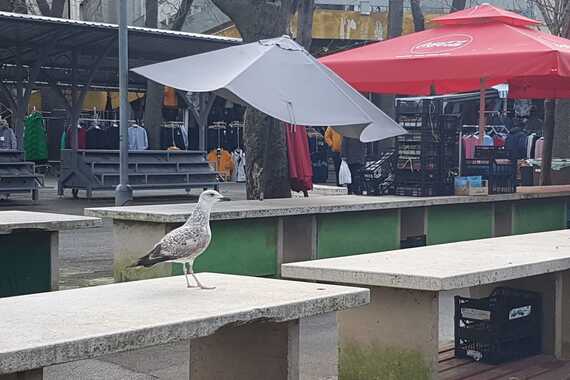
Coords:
pixel 344 176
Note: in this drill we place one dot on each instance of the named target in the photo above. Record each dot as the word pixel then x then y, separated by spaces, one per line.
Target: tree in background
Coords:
pixel 267 169
pixel 154 98
pixel 457 5
pixel 417 15
pixel 556 14
pixel 55 10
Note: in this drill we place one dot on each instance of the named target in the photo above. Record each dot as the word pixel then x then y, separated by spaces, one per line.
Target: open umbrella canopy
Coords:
pixel 281 79
pixel 483 42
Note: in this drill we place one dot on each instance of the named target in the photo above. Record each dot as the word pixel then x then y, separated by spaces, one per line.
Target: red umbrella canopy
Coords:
pixel 483 42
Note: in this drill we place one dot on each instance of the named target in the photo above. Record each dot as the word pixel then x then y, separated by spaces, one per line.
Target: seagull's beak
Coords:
pixel 224 199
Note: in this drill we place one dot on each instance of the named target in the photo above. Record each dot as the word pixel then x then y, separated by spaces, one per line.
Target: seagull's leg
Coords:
pixel 186 275
pixel 196 278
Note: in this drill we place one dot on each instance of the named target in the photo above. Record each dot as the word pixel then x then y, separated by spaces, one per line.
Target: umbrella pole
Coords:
pixel 482 121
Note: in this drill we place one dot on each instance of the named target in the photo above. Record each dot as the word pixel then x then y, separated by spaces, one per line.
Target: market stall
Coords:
pixel 462 54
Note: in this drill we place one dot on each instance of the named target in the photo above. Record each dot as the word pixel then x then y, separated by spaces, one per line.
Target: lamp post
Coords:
pixel 123 192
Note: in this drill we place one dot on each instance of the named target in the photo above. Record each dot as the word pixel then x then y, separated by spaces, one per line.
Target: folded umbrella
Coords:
pixel 281 79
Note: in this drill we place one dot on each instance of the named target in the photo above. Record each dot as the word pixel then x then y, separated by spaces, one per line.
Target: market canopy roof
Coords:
pixel 24 37
pixel 483 42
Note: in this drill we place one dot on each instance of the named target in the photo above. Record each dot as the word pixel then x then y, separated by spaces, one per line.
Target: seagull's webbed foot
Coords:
pixel 200 284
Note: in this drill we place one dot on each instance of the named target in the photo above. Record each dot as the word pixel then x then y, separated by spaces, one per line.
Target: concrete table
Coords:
pixel 29 249
pixel 279 231
pixel 247 328
pixel 405 287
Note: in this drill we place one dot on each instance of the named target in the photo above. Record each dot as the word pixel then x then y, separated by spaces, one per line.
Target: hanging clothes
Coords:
pixel 138 139
pixel 300 166
pixel 531 141
pixel 488 140
pixel 113 137
pixel 499 140
pixel 171 136
pixel 517 143
pixel 81 138
pixel 96 138
pixel 538 148
pixel 469 144
pixel 224 161
pixel 239 165
pixel 35 138
pixel 7 137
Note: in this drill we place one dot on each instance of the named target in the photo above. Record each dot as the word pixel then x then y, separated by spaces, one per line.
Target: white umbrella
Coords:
pixel 281 79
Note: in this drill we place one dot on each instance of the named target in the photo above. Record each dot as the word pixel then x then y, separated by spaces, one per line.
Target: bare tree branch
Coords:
pixel 181 14
pixel 44 7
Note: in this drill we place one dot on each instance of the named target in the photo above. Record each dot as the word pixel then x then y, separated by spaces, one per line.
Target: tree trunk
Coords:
pixel 56 9
pixel 154 92
pixel 561 146
pixel 395 18
pixel 181 14
pixel 457 5
pixel 418 16
pixel 305 23
pixel 153 112
pixel 549 112
pixel 267 170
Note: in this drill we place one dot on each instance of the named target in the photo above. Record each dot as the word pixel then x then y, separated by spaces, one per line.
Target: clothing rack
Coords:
pixel 173 125
pixel 497 129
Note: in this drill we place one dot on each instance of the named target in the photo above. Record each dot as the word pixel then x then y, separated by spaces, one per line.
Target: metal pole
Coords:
pixel 482 119
pixel 123 192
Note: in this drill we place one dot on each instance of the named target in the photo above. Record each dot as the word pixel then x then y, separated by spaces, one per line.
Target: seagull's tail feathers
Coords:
pixel 152 258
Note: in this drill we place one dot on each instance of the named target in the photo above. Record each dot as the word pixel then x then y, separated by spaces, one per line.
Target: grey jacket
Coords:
pixel 353 151
pixel 7 139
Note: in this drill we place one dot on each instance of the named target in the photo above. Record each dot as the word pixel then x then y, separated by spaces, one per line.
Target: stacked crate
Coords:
pixel 428 155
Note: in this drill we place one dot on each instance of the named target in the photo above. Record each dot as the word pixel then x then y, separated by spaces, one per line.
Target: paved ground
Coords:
pixel 86 260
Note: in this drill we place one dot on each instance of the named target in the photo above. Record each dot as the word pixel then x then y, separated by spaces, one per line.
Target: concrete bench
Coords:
pixel 29 249
pixel 247 328
pixel 406 285
pixel 280 231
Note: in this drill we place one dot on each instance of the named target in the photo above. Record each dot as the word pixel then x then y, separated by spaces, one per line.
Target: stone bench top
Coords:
pixel 13 220
pixel 446 266
pixel 178 213
pixel 48 328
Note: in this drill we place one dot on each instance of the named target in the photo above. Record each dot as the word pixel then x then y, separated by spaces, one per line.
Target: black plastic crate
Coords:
pixel 500 174
pixel 502 327
pixel 414 241
pixel 422 189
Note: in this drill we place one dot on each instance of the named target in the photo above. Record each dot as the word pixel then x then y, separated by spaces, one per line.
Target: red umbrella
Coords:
pixel 471 49
pixel 481 44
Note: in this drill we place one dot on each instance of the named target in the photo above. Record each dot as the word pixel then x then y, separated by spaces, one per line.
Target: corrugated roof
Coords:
pixel 102 25
pixel 30 34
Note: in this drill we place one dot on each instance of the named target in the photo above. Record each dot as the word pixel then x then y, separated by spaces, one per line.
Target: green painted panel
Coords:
pixel 539 215
pixel 359 232
pixel 446 224
pixel 245 247
pixel 26 264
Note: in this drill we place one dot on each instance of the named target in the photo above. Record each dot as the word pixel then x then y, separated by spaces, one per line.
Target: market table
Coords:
pixel 29 249
pixel 255 237
pixel 246 328
pixel 403 314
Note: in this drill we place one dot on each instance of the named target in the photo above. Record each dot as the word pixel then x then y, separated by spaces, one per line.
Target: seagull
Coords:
pixel 187 242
